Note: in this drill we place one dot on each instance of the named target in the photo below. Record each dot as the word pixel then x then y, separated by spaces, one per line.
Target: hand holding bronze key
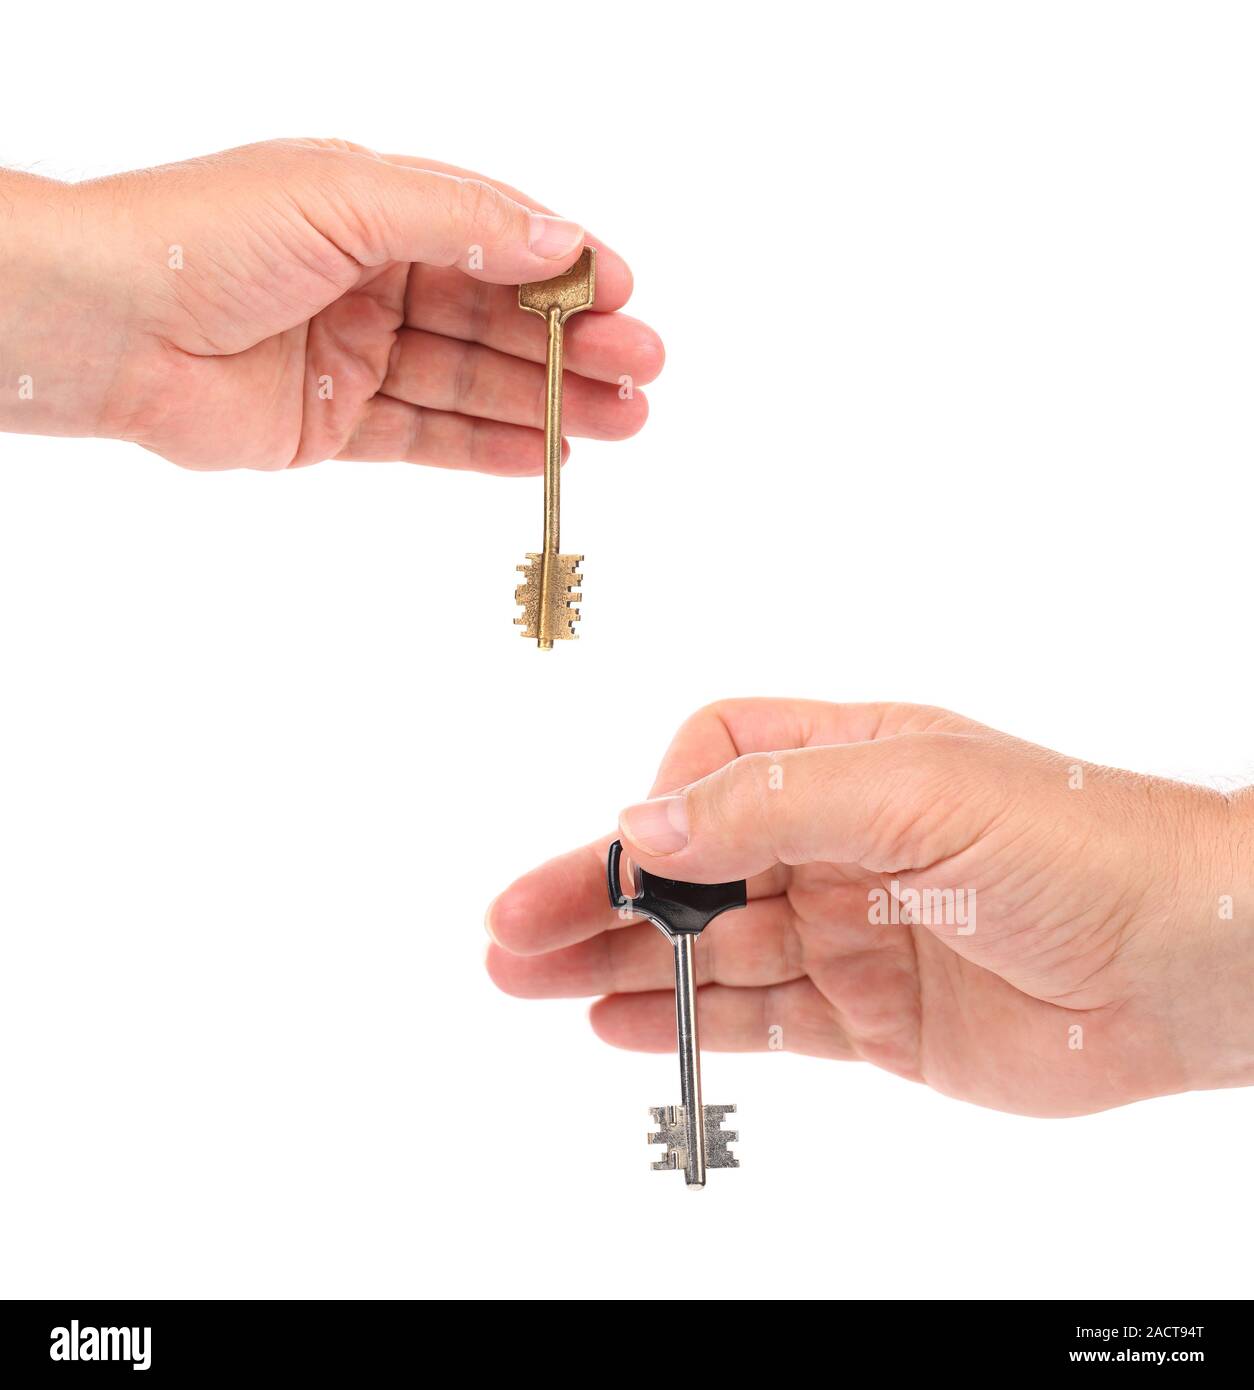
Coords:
pixel 300 300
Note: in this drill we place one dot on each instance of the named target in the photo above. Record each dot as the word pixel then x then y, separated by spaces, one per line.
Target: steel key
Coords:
pixel 692 1132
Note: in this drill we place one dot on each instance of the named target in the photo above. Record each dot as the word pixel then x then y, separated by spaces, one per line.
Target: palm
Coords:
pixel 908 1002
pixel 303 393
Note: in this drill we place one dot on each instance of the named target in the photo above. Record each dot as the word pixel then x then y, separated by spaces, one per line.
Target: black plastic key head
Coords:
pixel 676 908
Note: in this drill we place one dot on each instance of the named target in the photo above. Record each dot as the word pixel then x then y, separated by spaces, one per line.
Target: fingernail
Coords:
pixel 553 238
pixel 657 827
pixel 487 918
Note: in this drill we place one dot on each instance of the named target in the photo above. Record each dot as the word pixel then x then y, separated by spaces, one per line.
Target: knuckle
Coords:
pixel 483 208
pixel 327 145
pixel 923 767
pixel 470 212
pixel 750 809
pixel 465 376
pixel 921 718
pixel 718 714
pixel 925 777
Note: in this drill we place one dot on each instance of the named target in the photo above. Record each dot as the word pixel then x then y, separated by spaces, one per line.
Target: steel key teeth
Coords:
pixel 670 1121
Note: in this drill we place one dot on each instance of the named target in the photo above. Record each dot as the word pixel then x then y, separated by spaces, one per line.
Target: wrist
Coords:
pixel 63 325
pixel 1213 975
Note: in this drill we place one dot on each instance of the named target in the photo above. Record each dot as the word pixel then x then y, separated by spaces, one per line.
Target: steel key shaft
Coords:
pixel 689 1058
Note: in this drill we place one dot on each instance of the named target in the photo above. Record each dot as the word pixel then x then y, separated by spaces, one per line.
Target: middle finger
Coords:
pixel 564 901
pixel 758 946
pixel 464 378
pixel 605 346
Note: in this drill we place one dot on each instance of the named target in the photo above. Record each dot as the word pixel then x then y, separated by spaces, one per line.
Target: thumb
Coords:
pixel 889 805
pixel 379 211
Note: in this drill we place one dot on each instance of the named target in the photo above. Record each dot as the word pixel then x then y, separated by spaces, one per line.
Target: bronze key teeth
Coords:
pixel 548 591
pixel 548 594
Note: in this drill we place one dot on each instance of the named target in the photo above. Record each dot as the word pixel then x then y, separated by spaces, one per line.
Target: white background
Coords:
pixel 959 304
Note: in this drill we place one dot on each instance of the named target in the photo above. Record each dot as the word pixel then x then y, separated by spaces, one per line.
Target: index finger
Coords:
pixel 565 901
pixel 555 905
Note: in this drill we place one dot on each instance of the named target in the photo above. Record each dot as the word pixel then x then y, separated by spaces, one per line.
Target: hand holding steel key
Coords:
pixel 692 1132
pixel 550 588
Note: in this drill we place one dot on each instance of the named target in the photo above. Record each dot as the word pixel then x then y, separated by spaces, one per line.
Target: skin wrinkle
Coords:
pixel 599 346
pixel 291 214
pixel 394 358
pixel 838 962
pixel 1102 966
pixel 417 424
pixel 427 369
pixel 894 823
pixel 879 725
pixel 718 711
pixel 480 311
pixel 334 329
pixel 340 348
pixel 350 221
pixel 1023 889
pixel 710 969
pixel 487 209
pixel 1040 885
pixel 227 281
pixel 761 794
pixel 187 307
pixel 705 945
pixel 450 197
pixel 877 955
pixel 845 1040
pixel 375 288
pixel 760 942
pixel 794 946
pixel 468 359
pixel 337 273
pixel 974 837
pixel 779 1009
pixel 1046 873
pixel 920 1004
pixel 297 345
pixel 434 294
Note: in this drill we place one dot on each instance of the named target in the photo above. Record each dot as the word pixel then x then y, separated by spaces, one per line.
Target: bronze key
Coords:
pixel 550 587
